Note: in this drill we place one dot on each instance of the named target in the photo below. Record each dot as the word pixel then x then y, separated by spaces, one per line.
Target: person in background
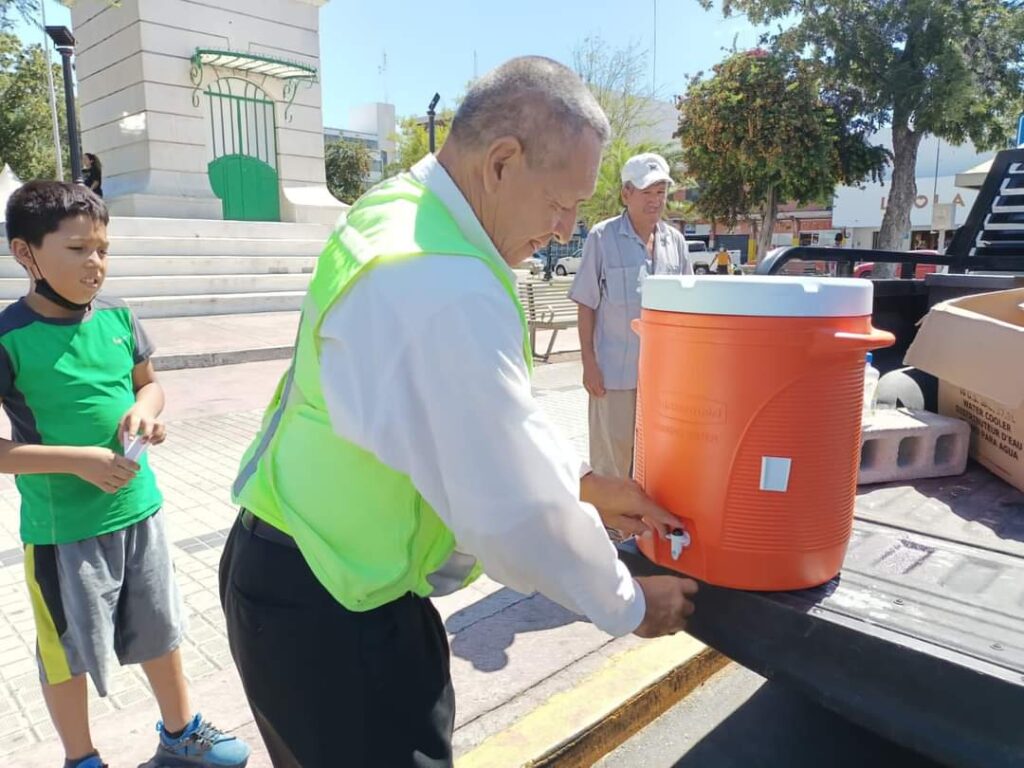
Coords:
pixel 92 175
pixel 617 251
pixel 722 261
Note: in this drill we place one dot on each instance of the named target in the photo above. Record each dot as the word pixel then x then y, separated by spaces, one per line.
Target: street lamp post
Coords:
pixel 430 120
pixel 53 101
pixel 65 44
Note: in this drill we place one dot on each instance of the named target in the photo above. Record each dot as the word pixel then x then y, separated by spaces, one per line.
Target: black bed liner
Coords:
pixel 921 637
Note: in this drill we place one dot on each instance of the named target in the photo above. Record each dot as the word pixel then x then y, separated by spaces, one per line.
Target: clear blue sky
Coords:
pixel 430 45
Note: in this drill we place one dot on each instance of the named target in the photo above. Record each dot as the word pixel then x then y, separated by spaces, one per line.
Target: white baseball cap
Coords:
pixel 643 170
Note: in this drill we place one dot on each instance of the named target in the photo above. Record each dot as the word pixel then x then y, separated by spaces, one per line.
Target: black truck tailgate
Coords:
pixel 920 638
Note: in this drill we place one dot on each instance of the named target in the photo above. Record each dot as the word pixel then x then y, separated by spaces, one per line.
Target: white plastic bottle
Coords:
pixel 871 376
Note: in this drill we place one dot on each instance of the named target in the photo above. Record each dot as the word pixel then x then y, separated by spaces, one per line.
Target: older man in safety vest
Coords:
pixel 404 451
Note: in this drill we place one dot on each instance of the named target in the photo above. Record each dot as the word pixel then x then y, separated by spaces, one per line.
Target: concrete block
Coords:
pixel 900 444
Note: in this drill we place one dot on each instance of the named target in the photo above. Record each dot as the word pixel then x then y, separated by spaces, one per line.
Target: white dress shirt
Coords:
pixel 422 365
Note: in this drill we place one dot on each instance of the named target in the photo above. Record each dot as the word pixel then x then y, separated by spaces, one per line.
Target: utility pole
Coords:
pixel 654 57
pixel 382 70
pixel 941 234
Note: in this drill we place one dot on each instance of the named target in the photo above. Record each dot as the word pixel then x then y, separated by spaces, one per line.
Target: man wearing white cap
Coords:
pixel 617 254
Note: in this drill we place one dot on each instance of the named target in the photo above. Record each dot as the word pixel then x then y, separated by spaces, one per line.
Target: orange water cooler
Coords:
pixel 749 423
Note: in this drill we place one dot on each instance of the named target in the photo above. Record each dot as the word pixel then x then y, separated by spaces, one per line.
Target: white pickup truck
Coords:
pixel 701 257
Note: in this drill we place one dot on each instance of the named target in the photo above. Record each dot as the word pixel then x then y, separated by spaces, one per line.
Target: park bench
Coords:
pixel 548 307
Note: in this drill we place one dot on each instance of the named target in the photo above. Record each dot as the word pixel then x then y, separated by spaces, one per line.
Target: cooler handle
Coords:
pixel 832 341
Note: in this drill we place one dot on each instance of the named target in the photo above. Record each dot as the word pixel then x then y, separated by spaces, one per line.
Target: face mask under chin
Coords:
pixel 44 289
pixel 47 291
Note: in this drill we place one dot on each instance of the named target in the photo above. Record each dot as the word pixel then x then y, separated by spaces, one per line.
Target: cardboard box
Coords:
pixel 975 346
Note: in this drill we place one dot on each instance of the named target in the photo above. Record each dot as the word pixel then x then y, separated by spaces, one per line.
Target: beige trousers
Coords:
pixel 612 424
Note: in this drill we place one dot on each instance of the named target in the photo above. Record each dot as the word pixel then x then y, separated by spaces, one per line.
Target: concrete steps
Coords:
pixel 211 304
pixel 144 266
pixel 131 226
pixel 121 247
pixel 131 288
pixel 168 268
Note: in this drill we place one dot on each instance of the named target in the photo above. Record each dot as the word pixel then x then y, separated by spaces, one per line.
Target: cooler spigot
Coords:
pixel 679 540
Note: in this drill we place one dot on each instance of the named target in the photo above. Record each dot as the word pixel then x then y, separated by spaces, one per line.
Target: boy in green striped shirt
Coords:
pixel 78 385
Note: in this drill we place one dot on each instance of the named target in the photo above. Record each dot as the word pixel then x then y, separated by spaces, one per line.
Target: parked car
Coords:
pixel 867 268
pixel 569 265
pixel 535 264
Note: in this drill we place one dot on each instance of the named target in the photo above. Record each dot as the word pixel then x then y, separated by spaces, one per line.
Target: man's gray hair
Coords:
pixel 540 102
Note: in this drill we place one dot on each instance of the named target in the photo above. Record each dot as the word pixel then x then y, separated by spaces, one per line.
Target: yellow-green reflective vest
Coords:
pixel 363 528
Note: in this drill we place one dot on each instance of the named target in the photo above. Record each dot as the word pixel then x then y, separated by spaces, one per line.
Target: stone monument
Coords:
pixel 205 110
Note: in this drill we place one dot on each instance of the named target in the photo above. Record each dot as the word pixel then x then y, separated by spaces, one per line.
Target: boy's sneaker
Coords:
pixel 202 745
pixel 92 761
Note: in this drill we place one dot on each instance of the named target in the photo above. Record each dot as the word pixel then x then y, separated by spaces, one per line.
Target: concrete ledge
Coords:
pixel 579 726
pixel 226 357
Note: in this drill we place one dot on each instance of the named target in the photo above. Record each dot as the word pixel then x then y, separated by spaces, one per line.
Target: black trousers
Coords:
pixel 331 687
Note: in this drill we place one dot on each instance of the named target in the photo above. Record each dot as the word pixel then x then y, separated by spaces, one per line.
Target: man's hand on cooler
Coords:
pixel 668 604
pixel 623 506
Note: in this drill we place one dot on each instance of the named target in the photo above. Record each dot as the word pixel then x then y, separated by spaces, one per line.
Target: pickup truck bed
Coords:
pixel 920 638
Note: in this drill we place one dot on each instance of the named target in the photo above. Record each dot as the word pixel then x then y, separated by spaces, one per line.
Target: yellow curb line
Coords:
pixel 579 726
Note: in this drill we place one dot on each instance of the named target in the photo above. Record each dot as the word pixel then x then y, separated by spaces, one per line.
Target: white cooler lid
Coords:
pixel 758 295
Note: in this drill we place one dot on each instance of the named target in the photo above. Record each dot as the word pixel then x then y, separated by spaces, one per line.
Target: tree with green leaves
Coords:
pixel 26 125
pixel 347 164
pixel 28 9
pixel 761 131
pixel 617 78
pixel 413 142
pixel 950 68
pixel 9 7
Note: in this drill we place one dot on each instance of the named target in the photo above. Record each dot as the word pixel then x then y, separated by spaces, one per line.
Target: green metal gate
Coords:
pixel 243 172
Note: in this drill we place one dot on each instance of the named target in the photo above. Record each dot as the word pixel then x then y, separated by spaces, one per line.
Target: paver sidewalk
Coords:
pixel 216 340
pixel 510 652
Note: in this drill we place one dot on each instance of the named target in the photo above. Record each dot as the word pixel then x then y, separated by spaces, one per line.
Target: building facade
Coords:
pixel 373 126
pixel 860 210
pixel 794 225
pixel 205 110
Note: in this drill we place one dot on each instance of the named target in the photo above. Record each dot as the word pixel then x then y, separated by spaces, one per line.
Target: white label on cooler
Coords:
pixel 775 473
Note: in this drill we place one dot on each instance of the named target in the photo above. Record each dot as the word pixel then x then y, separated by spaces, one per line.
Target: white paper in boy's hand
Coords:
pixel 133 446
